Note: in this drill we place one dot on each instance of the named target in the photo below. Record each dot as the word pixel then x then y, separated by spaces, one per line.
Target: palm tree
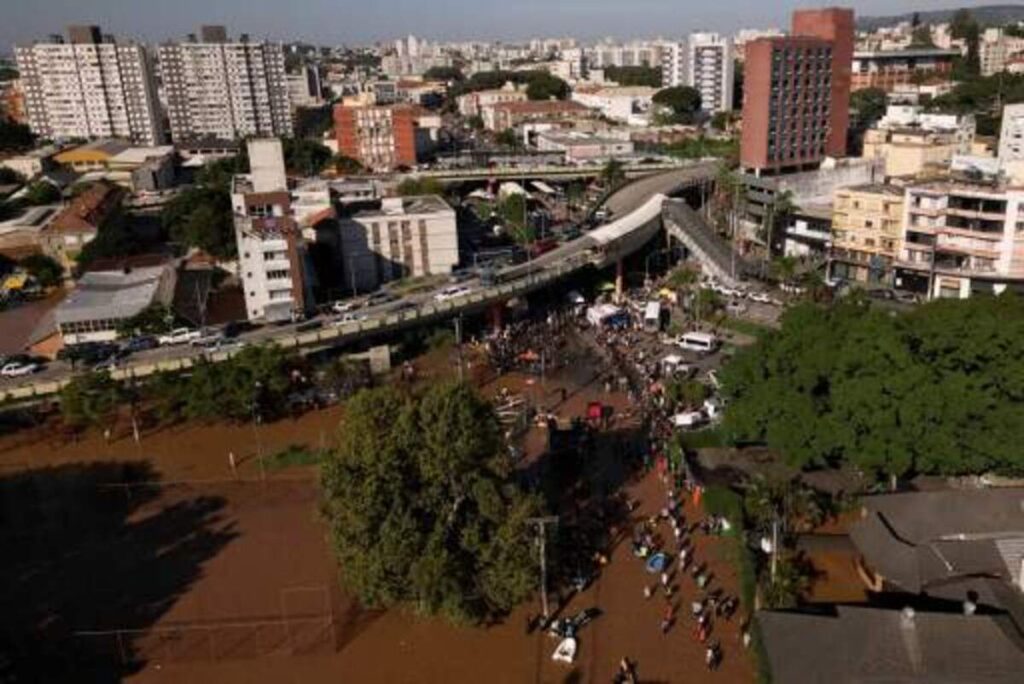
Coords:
pixel 779 211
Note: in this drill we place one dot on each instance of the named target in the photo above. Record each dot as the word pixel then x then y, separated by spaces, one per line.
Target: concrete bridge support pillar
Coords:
pixel 496 316
pixel 620 280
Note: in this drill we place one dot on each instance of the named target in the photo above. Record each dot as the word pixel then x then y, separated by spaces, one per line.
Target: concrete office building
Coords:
pixel 1011 137
pixel 797 94
pixel 272 258
pixel 471 104
pixel 89 87
pixel 305 87
pixel 404 237
pixel 225 90
pixel 892 70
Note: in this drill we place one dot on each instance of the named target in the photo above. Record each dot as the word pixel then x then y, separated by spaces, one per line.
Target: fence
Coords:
pixel 306 626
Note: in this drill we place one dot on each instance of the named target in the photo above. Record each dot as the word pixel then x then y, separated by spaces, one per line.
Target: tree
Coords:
pixel 254 383
pixel 305 157
pixel 686 394
pixel 544 86
pixel 965 27
pixel 113 240
pixel 46 271
pixel 939 390
pixel 420 186
pixel 89 399
pixel 683 102
pixel 153 320
pixel 512 213
pixel 922 37
pixel 869 104
pixel 346 166
pixel 202 217
pixel 443 73
pixel 613 174
pixel 424 508
pixel 15 137
pixel 634 76
pixel 507 138
pixel 41 192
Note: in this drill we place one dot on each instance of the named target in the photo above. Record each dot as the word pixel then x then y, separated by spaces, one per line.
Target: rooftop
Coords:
pixel 103 295
pixel 109 147
pixel 398 206
pixel 88 209
pixel 876 189
pixel 541 107
pixel 910 53
pixel 139 155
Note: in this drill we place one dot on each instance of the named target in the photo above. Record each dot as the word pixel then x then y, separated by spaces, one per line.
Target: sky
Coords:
pixel 353 22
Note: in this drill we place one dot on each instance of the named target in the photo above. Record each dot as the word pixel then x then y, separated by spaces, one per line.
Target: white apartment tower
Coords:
pixel 1011 137
pixel 705 62
pixel 710 70
pixel 225 90
pixel 90 87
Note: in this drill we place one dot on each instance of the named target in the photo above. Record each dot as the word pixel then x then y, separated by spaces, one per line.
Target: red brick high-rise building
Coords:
pixel 796 104
pixel 836 26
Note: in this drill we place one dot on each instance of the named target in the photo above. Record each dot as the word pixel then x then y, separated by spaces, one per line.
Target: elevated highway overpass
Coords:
pixel 639 209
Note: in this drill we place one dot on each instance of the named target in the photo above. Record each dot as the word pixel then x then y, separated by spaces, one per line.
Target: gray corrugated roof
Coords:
pixel 103 295
pixel 862 645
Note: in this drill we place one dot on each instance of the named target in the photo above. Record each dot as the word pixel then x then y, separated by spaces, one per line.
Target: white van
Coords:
pixel 699 342
pixel 652 317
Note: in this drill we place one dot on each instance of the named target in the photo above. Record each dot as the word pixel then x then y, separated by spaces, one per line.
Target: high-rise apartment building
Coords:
pixel 797 93
pixel 89 87
pixel 710 70
pixel 673 64
pixel 226 90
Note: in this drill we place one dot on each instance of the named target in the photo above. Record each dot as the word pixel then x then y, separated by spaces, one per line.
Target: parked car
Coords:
pixel 345 306
pixel 882 294
pixel 908 297
pixel 378 298
pixel 17 369
pixel 350 317
pixel 309 326
pixel 140 343
pixel 735 308
pixel 760 298
pixel 87 353
pixel 207 338
pixel 451 293
pixel 179 336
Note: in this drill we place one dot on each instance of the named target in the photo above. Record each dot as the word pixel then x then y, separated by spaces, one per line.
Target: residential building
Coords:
pixel 996 50
pixel 21 234
pixel 402 237
pixel 629 105
pixel 506 115
pixel 420 93
pixel 642 53
pixel 710 70
pixel 910 141
pixel 744 36
pixel 90 87
pixel 962 237
pixel 272 257
pixel 673 64
pixel 867 226
pixel 471 104
pixel 79 221
pixel 384 138
pixel 225 90
pixel 892 69
pixel 305 87
pixel 33 163
pixel 101 300
pixel 143 169
pixel 1011 137
pixel 582 147
pixel 12 101
pixel 786 104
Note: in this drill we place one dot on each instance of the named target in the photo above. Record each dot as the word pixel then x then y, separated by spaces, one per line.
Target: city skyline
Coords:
pixel 325 23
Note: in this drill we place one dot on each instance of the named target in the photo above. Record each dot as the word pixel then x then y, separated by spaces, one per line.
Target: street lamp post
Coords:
pixel 255 428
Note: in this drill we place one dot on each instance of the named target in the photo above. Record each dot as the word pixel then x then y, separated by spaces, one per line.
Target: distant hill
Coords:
pixel 987 15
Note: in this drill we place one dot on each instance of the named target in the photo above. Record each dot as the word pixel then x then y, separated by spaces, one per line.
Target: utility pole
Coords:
pixel 541 524
pixel 458 344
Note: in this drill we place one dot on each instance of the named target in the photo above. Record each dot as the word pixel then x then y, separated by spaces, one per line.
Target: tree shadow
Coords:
pixel 83 556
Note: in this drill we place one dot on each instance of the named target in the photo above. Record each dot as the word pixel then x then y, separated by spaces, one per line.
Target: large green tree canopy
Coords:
pixel 938 390
pixel 423 508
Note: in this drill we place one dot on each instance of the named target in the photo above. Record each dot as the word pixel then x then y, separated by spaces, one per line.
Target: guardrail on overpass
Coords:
pixel 715 253
pixel 454 175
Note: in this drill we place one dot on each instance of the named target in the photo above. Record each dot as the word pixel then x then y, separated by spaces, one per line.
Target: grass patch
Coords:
pixel 292 456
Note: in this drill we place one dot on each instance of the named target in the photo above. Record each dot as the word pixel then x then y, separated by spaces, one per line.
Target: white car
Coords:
pixel 345 306
pixel 179 336
pixel 760 298
pixel 452 292
pixel 350 317
pixel 17 369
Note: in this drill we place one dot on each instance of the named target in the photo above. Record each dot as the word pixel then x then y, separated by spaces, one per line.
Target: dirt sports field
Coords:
pixel 193 573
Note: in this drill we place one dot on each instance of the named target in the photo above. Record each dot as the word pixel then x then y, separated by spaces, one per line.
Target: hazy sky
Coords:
pixel 365 21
